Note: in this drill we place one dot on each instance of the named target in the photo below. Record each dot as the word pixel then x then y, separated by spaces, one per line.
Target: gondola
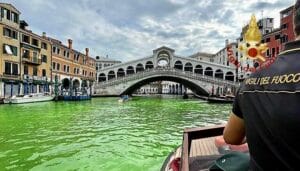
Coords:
pixel 220 99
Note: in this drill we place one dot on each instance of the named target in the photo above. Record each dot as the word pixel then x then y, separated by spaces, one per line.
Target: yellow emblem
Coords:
pixel 252 48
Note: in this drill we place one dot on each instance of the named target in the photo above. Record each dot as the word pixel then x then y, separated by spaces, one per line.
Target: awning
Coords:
pixel 8 50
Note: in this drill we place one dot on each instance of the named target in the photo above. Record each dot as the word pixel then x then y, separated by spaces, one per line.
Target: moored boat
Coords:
pixel 31 98
pixel 199 149
pixel 1 100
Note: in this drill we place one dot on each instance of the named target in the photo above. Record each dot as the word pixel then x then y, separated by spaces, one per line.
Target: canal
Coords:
pixel 100 134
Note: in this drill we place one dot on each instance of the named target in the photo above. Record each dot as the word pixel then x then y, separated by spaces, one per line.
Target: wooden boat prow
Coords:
pixel 197 143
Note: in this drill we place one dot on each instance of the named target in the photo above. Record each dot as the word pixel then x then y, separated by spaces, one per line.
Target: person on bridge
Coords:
pixel 267 111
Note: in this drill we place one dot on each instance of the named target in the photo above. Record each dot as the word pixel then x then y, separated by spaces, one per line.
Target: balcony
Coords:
pixel 34 78
pixel 39 78
pixel 31 60
pixel 10 76
pixel 27 77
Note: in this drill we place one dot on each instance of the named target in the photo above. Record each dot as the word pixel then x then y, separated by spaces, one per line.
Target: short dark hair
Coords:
pixel 297 17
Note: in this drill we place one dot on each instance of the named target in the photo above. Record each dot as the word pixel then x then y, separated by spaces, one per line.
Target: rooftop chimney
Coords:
pixel 70 41
pixel 87 52
pixel 44 34
pixel 226 42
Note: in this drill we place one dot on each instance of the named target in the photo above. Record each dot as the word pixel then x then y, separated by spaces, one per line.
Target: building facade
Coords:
pixel 71 70
pixel 103 62
pixel 273 40
pixel 29 63
pixel 35 65
pixel 10 51
pixel 287 25
pixel 203 56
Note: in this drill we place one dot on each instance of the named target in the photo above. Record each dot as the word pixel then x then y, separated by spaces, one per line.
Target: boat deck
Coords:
pixel 203 147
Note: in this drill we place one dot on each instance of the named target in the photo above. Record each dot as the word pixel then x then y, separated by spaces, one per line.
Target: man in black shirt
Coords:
pixel 267 111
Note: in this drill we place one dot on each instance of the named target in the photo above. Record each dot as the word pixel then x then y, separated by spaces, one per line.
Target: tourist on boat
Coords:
pixel 266 111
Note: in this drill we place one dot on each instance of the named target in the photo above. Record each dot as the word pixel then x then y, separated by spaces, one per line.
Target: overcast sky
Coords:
pixel 131 29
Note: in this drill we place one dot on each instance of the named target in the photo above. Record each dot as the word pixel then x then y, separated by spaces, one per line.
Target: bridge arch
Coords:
pixel 188 67
pixel 139 68
pixel 149 65
pixel 208 71
pixel 184 81
pixel 229 76
pixel 111 75
pixel 101 77
pixel 219 74
pixel 129 70
pixel 178 65
pixel 198 69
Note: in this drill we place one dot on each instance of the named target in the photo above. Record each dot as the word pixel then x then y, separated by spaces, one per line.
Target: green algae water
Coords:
pixel 100 134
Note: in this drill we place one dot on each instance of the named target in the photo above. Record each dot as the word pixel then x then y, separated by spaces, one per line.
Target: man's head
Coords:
pixel 297 19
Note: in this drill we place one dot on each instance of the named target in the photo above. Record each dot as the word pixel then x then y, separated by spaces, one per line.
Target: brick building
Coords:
pixel 278 37
pixel 273 39
pixel 287 25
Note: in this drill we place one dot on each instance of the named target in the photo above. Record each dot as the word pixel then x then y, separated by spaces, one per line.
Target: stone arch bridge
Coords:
pixel 203 78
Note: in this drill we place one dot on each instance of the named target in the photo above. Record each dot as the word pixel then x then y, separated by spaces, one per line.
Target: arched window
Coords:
pixel 111 75
pixel 198 69
pixel 188 67
pixel 208 71
pixel 139 68
pixel 178 65
pixel 219 74
pixel 229 76
pixel 149 65
pixel 130 70
pixel 121 72
pixel 101 77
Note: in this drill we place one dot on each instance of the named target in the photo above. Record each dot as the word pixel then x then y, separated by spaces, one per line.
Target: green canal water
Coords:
pixel 100 134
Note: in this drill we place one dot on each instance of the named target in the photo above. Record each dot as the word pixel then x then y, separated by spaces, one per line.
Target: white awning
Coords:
pixel 8 50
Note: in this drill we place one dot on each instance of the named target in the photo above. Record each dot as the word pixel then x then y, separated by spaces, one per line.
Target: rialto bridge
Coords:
pixel 203 78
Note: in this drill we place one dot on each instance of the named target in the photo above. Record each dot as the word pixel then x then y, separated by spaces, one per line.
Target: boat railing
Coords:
pixel 191 134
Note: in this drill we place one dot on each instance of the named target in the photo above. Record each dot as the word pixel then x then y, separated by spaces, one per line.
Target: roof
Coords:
pixel 162 48
pixel 287 9
pixel 10 5
pixel 201 54
pixel 275 31
pixel 107 59
pixel 58 42
pixel 33 34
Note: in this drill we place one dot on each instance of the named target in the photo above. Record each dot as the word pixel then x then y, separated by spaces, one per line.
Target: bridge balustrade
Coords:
pixel 166 71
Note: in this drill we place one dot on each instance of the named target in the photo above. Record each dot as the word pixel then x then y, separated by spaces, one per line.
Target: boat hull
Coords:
pixel 20 100
pixel 219 100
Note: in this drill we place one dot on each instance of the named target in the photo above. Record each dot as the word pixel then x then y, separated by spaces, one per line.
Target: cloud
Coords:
pixel 131 29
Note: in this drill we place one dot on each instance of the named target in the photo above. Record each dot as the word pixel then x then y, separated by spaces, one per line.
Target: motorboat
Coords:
pixel 30 98
pixel 123 98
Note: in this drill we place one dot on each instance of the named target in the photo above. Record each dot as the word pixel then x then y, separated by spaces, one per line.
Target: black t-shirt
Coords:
pixel 269 103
